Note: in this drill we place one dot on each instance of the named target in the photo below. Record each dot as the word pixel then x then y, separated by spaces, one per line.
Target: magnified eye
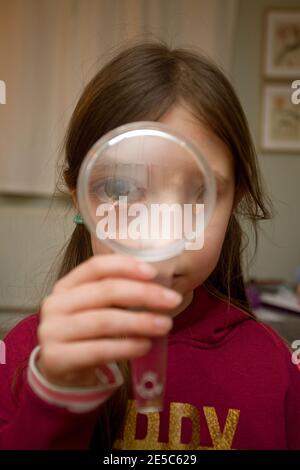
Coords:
pixel 113 188
pixel 200 194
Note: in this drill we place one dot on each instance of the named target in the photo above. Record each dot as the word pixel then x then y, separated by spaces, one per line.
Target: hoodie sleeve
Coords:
pixel 26 420
pixel 289 371
pixel 292 405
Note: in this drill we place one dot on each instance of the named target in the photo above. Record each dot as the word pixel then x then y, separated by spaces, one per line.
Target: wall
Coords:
pixel 279 242
pixel 33 231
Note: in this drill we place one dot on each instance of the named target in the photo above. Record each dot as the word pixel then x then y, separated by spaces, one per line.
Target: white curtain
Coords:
pixel 50 48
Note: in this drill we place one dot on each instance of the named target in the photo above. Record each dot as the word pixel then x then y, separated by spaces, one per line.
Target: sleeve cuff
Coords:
pixel 80 399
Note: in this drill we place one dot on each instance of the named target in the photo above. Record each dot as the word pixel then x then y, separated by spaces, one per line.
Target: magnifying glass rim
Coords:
pixel 133 129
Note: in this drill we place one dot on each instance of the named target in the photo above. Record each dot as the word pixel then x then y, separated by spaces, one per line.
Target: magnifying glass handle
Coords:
pixel 149 371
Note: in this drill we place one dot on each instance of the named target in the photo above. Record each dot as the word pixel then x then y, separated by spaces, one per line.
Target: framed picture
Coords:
pixel 282 43
pixel 280 119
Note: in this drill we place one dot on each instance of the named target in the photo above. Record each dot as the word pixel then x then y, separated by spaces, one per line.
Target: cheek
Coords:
pixel 202 262
pixel 99 248
pixel 216 230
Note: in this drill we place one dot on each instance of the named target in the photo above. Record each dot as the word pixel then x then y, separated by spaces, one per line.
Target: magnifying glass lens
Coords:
pixel 144 190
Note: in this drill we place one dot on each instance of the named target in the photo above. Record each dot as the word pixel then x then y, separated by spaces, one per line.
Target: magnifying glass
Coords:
pixel 147 191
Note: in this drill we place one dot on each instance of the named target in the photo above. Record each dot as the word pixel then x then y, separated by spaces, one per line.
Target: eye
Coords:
pixel 200 194
pixel 112 188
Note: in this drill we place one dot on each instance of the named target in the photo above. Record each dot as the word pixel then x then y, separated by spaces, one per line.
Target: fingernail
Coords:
pixel 172 296
pixel 147 269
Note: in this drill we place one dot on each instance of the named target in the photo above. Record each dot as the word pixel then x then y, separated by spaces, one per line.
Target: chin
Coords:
pixel 184 283
pixel 180 282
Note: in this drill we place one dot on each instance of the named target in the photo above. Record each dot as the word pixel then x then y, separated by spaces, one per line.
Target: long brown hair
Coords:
pixel 141 83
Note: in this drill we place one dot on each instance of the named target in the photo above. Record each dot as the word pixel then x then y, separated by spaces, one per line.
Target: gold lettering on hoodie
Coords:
pixel 178 411
pixel 221 440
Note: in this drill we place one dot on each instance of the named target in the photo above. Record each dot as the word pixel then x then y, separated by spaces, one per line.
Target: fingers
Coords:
pixel 111 293
pixel 81 355
pixel 88 319
pixel 102 266
pixel 105 323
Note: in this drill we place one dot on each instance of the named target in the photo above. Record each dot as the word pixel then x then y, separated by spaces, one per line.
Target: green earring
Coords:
pixel 77 219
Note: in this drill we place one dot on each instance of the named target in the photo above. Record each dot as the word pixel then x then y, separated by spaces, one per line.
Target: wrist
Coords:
pixel 82 379
pixel 74 398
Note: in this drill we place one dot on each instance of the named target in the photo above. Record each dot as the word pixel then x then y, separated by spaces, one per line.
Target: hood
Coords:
pixel 207 319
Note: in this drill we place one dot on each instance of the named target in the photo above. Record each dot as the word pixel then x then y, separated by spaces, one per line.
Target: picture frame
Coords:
pixel 280 119
pixel 282 43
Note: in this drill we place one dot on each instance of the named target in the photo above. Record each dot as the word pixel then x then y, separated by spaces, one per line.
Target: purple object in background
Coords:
pixel 253 295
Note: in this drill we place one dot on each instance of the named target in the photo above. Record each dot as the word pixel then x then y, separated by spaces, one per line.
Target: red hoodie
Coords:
pixel 231 384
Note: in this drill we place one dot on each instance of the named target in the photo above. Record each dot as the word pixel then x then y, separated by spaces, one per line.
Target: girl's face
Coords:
pixel 193 267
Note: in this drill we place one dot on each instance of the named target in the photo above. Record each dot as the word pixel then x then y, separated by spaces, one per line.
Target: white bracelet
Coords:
pixel 78 399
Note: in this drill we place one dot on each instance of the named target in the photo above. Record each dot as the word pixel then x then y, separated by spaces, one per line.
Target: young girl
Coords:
pixel 231 383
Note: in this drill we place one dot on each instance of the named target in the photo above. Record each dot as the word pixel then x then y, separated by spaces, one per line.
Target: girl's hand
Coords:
pixel 83 318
